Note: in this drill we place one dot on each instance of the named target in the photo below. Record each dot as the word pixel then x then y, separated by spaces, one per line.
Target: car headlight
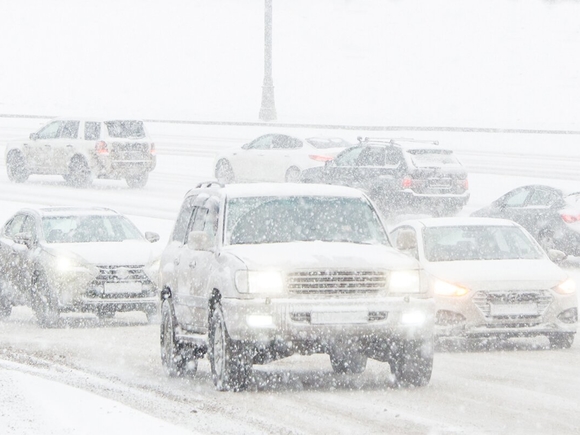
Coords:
pixel 259 281
pixel 566 287
pixel 404 281
pixel 444 288
pixel 66 264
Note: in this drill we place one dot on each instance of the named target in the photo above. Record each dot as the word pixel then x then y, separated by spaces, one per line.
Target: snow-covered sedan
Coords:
pixel 89 259
pixel 492 279
pixel 276 157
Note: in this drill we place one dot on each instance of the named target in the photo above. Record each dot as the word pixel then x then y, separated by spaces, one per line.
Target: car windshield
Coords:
pixel 83 229
pixel 429 157
pixel 478 242
pixel 328 142
pixel 125 129
pixel 290 219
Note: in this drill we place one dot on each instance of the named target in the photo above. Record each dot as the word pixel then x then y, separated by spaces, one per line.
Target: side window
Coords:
pixel 371 156
pixel 183 219
pixel 285 142
pixel 393 156
pixel 518 198
pixel 262 143
pixel 70 130
pixel 198 222
pixel 92 130
pixel 348 157
pixel 50 131
pixel 542 197
pixel 14 226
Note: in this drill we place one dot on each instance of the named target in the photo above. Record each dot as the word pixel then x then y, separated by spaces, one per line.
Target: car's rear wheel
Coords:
pixel 230 362
pixel 44 303
pixel 16 167
pixel 350 361
pixel 561 341
pixel 79 173
pixel 412 363
pixel 546 240
pixel 292 175
pixel 137 181
pixel 174 356
pixel 224 172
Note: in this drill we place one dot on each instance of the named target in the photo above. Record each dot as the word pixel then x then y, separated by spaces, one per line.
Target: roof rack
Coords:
pixel 209 184
pixel 393 140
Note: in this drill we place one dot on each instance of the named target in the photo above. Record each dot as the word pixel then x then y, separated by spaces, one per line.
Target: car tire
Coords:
pixel 412 363
pixel 44 303
pixel 561 341
pixel 174 356
pixel 348 361
pixel 546 239
pixel 79 172
pixel 224 172
pixel 137 181
pixel 16 167
pixel 292 175
pixel 230 362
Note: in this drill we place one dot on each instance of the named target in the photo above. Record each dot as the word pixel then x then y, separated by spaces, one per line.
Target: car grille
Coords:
pixel 336 282
pixel 483 300
pixel 130 151
pixel 121 274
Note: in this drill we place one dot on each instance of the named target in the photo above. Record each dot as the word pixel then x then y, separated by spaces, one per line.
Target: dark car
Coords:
pixel 399 174
pixel 551 215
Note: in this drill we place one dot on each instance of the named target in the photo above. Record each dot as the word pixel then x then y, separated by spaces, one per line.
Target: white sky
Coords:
pixel 496 63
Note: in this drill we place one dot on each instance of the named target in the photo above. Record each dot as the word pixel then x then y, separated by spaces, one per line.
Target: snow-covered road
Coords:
pixel 518 388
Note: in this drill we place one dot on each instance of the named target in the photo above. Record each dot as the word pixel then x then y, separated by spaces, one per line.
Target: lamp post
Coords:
pixel 268 108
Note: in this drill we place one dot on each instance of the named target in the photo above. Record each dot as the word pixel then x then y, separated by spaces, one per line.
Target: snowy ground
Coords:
pixel 93 376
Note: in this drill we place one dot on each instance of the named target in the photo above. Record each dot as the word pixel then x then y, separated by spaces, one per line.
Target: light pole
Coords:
pixel 268 108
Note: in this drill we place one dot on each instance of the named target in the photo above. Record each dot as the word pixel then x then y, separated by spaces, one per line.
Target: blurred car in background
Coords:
pixel 551 215
pixel 399 174
pixel 87 259
pixel 275 157
pixel 84 149
pixel 491 279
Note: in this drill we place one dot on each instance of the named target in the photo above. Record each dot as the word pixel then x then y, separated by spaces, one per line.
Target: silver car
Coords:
pixel 61 259
pixel 491 279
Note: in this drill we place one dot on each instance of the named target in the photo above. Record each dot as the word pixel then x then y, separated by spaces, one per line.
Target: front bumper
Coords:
pixel 324 320
pixel 86 304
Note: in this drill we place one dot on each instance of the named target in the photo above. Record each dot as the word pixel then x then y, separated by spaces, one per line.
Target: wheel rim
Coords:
pixel 292 175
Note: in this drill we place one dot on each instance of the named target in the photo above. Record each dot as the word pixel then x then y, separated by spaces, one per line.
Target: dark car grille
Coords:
pixel 484 300
pixel 336 282
pixel 121 274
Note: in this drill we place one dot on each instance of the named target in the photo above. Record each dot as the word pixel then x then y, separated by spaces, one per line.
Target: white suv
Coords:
pixel 83 149
pixel 255 273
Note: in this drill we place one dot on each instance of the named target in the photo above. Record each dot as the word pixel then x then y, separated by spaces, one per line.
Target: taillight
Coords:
pixel 320 158
pixel 152 149
pixel 101 148
pixel 570 218
pixel 465 184
pixel 407 182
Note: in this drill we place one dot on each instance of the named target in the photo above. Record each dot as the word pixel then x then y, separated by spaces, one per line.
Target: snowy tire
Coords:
pixel 79 172
pixel 16 167
pixel 45 303
pixel 412 363
pixel 174 357
pixel 292 175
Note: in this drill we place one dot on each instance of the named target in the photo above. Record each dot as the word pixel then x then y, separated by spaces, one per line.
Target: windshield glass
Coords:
pixel 478 243
pixel 429 157
pixel 328 142
pixel 125 129
pixel 290 219
pixel 83 229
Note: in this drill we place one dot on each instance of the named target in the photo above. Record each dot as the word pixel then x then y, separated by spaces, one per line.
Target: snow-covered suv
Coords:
pixel 257 272
pixel 83 149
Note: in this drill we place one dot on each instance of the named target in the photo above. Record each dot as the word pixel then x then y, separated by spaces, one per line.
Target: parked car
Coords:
pixel 491 279
pixel 84 149
pixel 87 259
pixel 275 157
pixel 399 174
pixel 551 215
pixel 257 272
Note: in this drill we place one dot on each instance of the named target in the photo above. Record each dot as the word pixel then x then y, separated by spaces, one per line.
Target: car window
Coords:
pixel 70 130
pixel 371 156
pixel 125 129
pixel 517 198
pixel 544 197
pixel 285 142
pixel 92 130
pixel 86 229
pixel 14 226
pixel 183 219
pixel 262 143
pixel 348 157
pixel 328 142
pixel 29 227
pixel 431 157
pixel 50 131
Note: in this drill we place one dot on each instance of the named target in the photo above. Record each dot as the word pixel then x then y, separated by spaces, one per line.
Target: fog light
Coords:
pixel 259 320
pixel 569 316
pixel 413 318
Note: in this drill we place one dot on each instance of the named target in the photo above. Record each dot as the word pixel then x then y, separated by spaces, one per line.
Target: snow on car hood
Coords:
pixel 129 252
pixel 316 255
pixel 499 274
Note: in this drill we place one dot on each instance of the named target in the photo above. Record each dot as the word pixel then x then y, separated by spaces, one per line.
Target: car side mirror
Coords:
pixel 24 239
pixel 246 146
pixel 556 256
pixel 406 240
pixel 33 136
pixel 199 241
pixel 151 236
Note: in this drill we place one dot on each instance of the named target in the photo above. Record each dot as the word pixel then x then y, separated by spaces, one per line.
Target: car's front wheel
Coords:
pixel 79 173
pixel 561 341
pixel 44 303
pixel 412 363
pixel 16 167
pixel 230 362
pixel 174 357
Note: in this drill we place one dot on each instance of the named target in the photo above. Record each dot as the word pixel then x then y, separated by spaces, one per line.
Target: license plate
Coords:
pixel 338 317
pixel 514 309
pixel 123 287
pixel 440 182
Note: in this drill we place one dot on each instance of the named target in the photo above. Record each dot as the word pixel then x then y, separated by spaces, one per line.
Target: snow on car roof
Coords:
pixel 74 211
pixel 290 189
pixel 460 221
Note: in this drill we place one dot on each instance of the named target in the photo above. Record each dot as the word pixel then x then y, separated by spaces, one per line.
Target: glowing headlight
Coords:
pixel 258 281
pixel 566 288
pixel 404 281
pixel 65 264
pixel 444 288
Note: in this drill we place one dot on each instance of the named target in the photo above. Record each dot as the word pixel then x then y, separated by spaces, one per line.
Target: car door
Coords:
pixel 39 149
pixel 248 163
pixel 343 169
pixel 64 146
pixel 513 206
